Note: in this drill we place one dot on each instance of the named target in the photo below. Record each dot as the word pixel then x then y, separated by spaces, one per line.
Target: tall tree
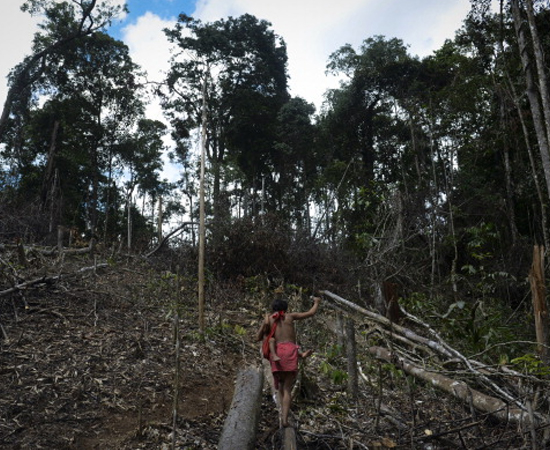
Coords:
pixel 293 162
pixel 65 21
pixel 89 103
pixel 245 63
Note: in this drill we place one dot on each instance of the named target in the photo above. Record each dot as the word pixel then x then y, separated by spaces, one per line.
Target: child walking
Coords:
pixel 279 335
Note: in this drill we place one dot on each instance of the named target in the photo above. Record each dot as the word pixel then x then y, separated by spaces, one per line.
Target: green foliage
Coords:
pixel 531 364
pixel 329 365
pixel 470 326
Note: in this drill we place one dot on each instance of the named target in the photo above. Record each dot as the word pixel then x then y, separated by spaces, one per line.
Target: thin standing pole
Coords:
pixel 202 233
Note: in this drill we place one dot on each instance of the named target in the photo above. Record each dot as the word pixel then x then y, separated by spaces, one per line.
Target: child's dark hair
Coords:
pixel 279 305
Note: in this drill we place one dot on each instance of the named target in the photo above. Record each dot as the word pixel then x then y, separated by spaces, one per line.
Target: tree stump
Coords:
pixel 239 430
pixel 540 309
pixel 351 353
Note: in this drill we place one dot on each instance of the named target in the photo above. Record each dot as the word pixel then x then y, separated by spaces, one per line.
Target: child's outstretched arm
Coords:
pixel 306 314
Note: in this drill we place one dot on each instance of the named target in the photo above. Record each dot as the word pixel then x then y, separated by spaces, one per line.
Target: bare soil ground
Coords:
pixel 89 362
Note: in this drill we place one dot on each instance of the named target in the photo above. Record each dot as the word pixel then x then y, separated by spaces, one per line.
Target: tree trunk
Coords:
pixel 202 232
pixel 509 202
pixel 351 353
pixel 48 176
pixel 129 220
pixel 289 438
pixel 239 430
pixel 532 94
pixel 542 81
pixel 540 309
pixel 526 137
pixel 159 221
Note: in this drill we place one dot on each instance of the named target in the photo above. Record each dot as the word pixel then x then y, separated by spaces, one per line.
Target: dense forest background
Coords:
pixel 431 174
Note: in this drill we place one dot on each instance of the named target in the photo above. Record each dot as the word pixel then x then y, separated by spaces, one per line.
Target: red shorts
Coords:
pixel 288 352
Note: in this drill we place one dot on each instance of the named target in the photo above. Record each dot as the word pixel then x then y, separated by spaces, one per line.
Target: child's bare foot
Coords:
pixel 275 358
pixel 306 353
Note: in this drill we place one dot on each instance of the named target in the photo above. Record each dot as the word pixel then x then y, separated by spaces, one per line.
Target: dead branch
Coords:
pixel 411 335
pixel 506 406
pixel 49 280
pixel 168 236
pixel 459 389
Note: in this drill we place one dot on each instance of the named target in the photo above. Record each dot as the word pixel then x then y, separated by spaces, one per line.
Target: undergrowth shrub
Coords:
pixel 267 246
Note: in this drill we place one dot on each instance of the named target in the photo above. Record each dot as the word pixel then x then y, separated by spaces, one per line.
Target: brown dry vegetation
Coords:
pixel 88 362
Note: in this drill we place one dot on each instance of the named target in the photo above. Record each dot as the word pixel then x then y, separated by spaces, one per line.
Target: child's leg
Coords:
pixel 273 350
pixel 305 354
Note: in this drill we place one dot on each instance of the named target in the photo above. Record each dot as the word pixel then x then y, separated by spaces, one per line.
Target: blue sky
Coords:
pixel 312 30
pixel 165 9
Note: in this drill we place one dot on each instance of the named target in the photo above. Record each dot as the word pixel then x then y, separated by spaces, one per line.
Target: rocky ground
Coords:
pixel 88 361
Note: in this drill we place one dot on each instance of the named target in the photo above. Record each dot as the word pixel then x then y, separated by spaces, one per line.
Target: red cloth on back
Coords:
pixel 265 345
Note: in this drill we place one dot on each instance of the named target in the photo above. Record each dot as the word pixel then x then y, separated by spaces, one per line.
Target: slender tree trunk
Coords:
pixel 192 216
pixel 539 60
pixel 351 353
pixel 526 137
pixel 53 194
pixel 532 93
pixel 108 199
pixel 159 220
pixel 511 215
pixel 92 207
pixel 47 182
pixel 129 218
pixel 202 232
pixel 540 309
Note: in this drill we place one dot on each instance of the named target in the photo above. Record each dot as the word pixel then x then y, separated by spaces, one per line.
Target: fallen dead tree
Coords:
pixel 239 430
pixel 168 236
pixel 459 389
pixel 49 279
pixel 499 391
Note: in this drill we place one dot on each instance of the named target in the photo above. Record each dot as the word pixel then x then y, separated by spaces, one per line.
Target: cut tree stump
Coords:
pixel 241 423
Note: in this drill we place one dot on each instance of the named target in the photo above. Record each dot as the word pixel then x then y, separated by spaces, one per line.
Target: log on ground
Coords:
pixel 460 390
pixel 241 423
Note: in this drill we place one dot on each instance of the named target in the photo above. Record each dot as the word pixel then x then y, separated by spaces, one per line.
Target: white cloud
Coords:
pixel 149 48
pixel 313 30
pixel 17 30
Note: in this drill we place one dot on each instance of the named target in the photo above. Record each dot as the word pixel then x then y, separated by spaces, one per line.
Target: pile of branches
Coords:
pixel 499 391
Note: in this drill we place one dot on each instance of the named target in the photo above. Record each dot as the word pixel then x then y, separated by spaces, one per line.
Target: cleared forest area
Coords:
pixel 88 360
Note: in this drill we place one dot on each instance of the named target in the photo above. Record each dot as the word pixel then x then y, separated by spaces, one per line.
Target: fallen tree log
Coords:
pixel 459 389
pixel 439 346
pixel 49 280
pixel 289 438
pixel 239 430
pixel 436 346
